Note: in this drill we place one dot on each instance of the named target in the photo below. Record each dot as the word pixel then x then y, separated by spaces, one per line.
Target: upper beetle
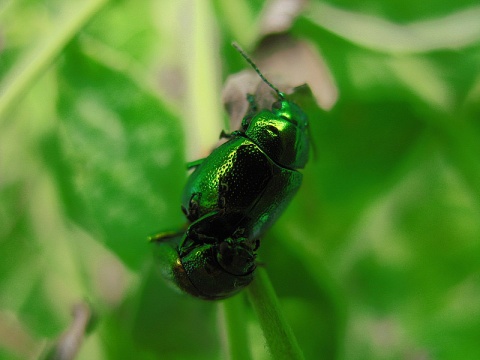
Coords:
pixel 233 196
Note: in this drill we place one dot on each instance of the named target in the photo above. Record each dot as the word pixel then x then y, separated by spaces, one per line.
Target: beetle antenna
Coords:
pixel 257 70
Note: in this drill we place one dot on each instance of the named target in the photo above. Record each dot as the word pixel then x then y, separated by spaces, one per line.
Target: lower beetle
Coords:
pixel 233 196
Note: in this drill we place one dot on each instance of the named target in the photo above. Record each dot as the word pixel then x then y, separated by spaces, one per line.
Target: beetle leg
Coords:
pixel 195 234
pixel 239 232
pixel 222 202
pixel 192 212
pixel 165 236
pixel 225 135
pixel 252 104
pixel 251 112
pixel 195 163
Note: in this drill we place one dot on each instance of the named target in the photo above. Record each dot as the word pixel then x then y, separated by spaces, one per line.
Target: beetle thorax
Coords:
pixel 284 140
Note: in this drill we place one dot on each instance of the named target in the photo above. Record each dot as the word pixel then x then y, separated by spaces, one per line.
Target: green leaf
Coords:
pixel 120 146
pixel 377 256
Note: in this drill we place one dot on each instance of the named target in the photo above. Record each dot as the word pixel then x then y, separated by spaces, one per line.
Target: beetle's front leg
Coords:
pixel 197 233
pixel 193 204
pixel 252 104
pixel 225 135
pixel 251 112
pixel 222 202
pixel 194 164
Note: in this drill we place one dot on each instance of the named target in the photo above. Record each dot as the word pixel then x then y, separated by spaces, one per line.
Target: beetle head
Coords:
pixel 291 112
pixel 282 134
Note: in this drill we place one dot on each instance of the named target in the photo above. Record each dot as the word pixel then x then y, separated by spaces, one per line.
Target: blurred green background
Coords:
pixel 101 104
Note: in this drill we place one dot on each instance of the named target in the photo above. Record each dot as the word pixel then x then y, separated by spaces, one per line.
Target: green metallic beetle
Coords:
pixel 233 196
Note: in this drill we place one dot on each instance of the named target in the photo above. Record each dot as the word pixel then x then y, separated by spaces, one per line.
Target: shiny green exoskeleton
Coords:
pixel 233 196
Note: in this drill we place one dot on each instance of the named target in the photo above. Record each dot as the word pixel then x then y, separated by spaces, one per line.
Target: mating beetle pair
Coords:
pixel 233 196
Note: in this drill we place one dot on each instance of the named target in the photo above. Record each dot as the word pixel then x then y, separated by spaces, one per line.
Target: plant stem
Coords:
pixel 281 342
pixel 203 106
pixel 232 317
pixel 22 77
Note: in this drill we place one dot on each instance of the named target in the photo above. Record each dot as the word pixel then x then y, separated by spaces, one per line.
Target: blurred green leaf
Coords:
pixel 376 258
pixel 119 145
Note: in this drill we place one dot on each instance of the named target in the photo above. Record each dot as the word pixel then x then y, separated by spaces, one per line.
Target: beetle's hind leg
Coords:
pixel 165 236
